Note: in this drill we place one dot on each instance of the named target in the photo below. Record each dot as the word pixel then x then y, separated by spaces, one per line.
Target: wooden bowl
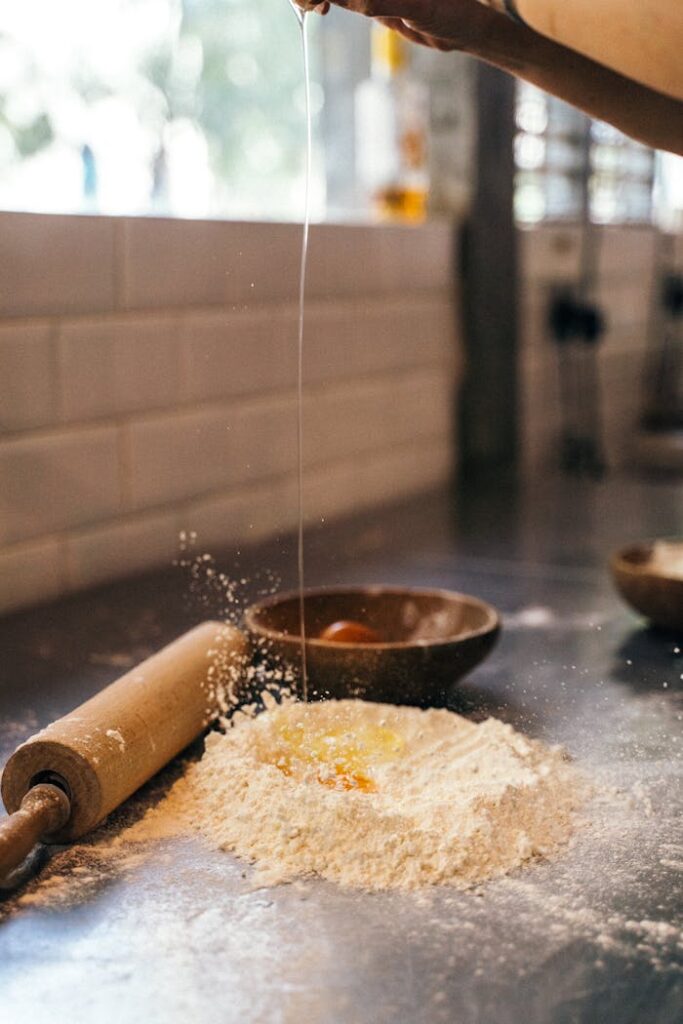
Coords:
pixel 649 576
pixel 430 639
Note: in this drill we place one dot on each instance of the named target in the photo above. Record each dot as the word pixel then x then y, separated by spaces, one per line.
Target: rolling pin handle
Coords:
pixel 45 809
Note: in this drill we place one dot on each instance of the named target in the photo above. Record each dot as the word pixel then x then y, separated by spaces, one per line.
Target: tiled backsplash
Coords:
pixel 148 385
pixel 550 257
pixel 148 380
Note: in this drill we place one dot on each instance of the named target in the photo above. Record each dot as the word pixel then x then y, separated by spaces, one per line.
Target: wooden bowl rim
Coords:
pixel 620 561
pixel 491 625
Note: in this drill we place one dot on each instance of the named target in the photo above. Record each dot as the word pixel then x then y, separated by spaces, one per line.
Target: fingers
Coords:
pixel 430 19
pixel 403 30
pixel 441 24
pixel 319 6
pixel 414 35
pixel 411 10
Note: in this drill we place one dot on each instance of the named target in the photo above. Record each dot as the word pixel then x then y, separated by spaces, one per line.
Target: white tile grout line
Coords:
pixel 186 505
pixel 56 368
pixel 125 463
pixel 319 305
pixel 184 361
pixel 235 403
pixel 119 263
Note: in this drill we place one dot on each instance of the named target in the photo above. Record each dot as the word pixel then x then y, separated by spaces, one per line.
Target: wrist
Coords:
pixel 500 40
pixel 509 8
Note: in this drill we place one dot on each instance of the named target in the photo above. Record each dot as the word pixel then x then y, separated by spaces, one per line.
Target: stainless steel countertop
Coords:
pixel 592 937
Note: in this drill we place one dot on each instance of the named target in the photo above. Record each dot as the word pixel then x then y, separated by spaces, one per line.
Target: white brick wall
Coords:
pixel 27 367
pixel 119 366
pixel 550 257
pixel 148 385
pixel 57 480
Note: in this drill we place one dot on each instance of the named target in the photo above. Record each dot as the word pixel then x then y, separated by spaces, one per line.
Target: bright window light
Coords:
pixel 191 108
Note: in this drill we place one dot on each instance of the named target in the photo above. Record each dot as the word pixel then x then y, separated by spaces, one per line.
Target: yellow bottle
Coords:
pixel 392 128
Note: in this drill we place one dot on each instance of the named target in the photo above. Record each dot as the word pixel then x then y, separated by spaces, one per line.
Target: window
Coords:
pixel 549 158
pixel 196 108
pixel 621 177
pixel 564 160
pixel 184 107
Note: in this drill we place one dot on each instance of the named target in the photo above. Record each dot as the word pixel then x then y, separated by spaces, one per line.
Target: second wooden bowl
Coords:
pixel 649 576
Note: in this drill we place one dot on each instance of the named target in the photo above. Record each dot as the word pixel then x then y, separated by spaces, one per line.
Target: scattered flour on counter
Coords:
pixel 534 617
pixel 675 865
pixel 373 796
pixel 599 894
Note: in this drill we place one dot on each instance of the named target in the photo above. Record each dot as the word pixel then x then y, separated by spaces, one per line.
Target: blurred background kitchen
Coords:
pixel 517 313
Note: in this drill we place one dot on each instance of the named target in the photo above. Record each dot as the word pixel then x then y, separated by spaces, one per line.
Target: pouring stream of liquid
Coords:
pixel 301 18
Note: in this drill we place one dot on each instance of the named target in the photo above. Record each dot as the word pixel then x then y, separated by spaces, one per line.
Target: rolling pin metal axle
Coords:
pixel 66 779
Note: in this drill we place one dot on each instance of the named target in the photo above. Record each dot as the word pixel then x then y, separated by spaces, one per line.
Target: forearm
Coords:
pixel 639 112
pixel 642 39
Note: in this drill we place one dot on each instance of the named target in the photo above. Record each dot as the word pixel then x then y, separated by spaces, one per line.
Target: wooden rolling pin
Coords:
pixel 66 779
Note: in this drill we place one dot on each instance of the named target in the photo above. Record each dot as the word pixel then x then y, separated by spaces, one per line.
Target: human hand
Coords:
pixel 635 105
pixel 439 24
pixel 319 6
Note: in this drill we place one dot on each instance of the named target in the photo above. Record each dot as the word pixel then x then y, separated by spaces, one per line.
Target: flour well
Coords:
pixel 373 796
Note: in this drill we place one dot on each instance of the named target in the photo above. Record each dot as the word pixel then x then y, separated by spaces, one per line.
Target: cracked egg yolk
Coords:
pixel 337 756
pixel 348 632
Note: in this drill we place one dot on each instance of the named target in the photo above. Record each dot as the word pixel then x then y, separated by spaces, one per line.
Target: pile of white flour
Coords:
pixel 372 796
